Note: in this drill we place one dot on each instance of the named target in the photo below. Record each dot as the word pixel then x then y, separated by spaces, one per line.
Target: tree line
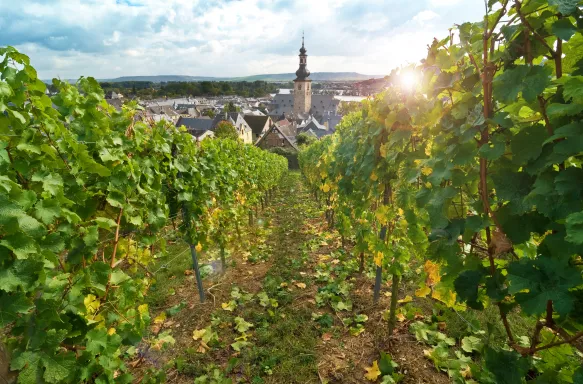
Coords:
pixel 148 89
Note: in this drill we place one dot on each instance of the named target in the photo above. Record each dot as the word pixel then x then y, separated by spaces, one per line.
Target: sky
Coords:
pixel 225 38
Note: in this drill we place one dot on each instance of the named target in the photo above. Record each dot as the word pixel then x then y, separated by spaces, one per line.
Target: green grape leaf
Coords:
pixel 508 367
pixel 5 90
pixel 574 226
pixel 21 274
pixel 527 144
pixel 91 237
pixel 52 183
pixel 564 29
pixel 572 88
pixel 471 344
pixel 386 364
pixel 58 367
pixel 556 110
pixel 513 187
pixel 21 244
pixel 531 81
pixel 534 282
pixel 11 306
pixel 28 363
pixel 566 7
pixel 9 210
pixel 31 226
pixel 47 210
pixel 494 150
pixel 105 223
pixel 466 286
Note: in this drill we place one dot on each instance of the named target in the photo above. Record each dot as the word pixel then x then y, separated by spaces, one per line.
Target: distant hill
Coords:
pixel 315 76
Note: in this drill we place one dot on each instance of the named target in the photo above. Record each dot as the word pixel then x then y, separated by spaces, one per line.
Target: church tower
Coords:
pixel 302 85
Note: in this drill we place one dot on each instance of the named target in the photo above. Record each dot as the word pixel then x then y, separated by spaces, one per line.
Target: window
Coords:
pixel 300 87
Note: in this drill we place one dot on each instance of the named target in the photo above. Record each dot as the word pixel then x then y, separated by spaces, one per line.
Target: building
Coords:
pixel 302 85
pixel 203 126
pixel 276 137
pixel 259 124
pixel 301 105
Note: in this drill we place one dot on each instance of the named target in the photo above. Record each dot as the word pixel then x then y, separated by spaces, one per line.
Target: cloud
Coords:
pixel 109 38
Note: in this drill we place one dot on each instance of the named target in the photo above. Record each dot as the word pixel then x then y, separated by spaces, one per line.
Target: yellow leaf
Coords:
pixel 378 259
pixel 382 214
pixel 373 176
pixel 383 150
pixel 143 309
pixel 400 317
pixel 426 171
pixel 325 188
pixel 198 247
pixel 92 304
pixel 466 372
pixel 433 276
pixel 373 373
pixel 447 297
pixel 160 318
pixel 230 306
pixel 198 334
pixel 423 292
pixel 407 299
pixel 323 174
pixel 301 285
pixel 111 331
pixel 401 212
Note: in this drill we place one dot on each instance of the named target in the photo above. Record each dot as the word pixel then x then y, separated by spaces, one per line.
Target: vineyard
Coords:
pixel 436 237
pixel 89 199
pixel 476 172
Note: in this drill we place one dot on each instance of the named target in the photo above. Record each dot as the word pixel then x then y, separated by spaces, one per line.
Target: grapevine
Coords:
pixel 477 170
pixel 86 194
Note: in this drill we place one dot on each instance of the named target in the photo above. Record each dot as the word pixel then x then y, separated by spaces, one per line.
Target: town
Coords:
pixel 274 120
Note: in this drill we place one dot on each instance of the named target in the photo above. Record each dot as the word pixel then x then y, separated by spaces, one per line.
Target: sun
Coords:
pixel 408 79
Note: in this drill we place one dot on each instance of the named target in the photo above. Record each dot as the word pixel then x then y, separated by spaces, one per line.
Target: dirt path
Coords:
pixel 291 308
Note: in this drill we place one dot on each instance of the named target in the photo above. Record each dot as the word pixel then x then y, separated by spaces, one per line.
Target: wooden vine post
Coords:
pixel 382 237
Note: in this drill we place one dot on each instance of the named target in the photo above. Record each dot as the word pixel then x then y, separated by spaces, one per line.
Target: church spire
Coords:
pixel 302 73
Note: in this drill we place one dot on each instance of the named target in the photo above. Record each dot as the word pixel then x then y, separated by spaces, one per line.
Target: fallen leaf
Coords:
pixel 198 334
pixel 326 336
pixel 373 372
pixel 301 285
pixel 401 317
pixel 160 318
pixel 407 299
pixel 188 272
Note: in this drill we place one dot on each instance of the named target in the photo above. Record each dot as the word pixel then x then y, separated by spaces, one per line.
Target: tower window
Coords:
pixel 300 87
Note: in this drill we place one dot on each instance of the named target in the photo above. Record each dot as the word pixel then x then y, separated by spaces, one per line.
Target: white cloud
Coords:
pixel 114 38
pixel 424 16
pixel 69 38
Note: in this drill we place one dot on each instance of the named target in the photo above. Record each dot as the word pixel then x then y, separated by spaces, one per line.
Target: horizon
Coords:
pixel 118 38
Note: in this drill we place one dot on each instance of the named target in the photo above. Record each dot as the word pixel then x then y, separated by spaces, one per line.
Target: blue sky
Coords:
pixel 111 38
